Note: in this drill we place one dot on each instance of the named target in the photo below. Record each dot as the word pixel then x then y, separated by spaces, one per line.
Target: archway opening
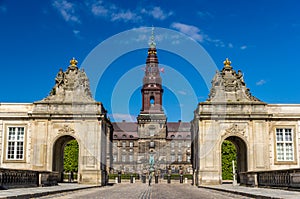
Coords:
pixel 65 158
pixel 234 149
pixel 152 101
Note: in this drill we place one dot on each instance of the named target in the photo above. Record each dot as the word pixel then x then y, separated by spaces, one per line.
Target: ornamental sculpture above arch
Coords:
pixel 66 129
pixel 234 129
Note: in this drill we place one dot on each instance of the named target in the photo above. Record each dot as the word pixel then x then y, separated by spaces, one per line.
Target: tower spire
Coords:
pixel 152 83
pixel 152 43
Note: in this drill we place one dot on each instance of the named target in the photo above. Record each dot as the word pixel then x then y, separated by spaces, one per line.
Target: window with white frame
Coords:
pixel 130 158
pixel 179 157
pixel 115 158
pixel 172 158
pixel 15 143
pixel 284 144
pixel 152 131
pixel 172 144
pixel 123 158
pixel 179 145
pixel 188 158
pixel 130 144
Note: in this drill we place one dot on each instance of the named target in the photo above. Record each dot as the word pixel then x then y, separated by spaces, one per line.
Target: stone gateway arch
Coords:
pixel 34 135
pixel 266 136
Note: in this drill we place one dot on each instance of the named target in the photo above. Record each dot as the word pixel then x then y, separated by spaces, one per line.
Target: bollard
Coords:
pixel 156 179
pixel 185 180
pixel 133 179
pixel 169 179
pixel 116 180
pixel 119 178
pixel 181 179
pixel 143 178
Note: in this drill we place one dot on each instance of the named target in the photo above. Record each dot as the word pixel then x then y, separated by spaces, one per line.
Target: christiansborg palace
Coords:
pixel 266 136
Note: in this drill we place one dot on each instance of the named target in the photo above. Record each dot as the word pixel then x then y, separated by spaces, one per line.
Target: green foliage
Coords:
pixel 71 156
pixel 228 154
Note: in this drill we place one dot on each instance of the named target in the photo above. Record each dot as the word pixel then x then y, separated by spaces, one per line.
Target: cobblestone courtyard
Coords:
pixel 143 191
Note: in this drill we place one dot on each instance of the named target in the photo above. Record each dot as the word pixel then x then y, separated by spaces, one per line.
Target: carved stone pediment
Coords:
pixel 234 129
pixel 229 86
pixel 66 130
pixel 71 86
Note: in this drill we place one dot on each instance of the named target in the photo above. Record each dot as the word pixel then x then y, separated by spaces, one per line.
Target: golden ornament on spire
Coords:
pixel 73 62
pixel 227 62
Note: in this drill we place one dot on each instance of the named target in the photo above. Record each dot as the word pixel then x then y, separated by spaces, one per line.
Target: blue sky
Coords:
pixel 260 37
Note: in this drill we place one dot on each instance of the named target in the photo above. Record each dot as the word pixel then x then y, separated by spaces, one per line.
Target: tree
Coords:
pixel 71 156
pixel 228 154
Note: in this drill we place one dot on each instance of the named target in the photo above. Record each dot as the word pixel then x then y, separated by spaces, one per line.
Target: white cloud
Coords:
pixel 125 16
pixel 98 9
pixel 112 12
pixel 261 82
pixel 243 47
pixel 157 13
pixel 192 31
pixel 67 10
pixel 122 116
pixel 230 45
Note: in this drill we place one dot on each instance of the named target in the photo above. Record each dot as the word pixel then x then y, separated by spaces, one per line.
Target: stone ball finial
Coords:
pixel 227 62
pixel 73 62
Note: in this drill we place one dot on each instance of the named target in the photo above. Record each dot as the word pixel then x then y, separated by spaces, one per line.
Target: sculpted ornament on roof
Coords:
pixel 71 85
pixel 229 86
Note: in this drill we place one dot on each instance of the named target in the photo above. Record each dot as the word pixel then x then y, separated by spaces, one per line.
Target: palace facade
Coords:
pixel 168 142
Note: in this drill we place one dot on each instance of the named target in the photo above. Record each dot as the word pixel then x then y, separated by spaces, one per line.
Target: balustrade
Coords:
pixel 12 178
pixel 289 178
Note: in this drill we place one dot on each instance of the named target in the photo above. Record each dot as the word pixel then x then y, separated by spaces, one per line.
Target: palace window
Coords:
pixel 284 144
pixel 130 144
pixel 123 158
pixel 15 143
pixel 151 131
pixel 179 145
pixel 188 144
pixel 172 158
pixel 172 144
pixel 188 158
pixel 123 144
pixel 179 157
pixel 130 158
pixel 115 145
pixel 115 158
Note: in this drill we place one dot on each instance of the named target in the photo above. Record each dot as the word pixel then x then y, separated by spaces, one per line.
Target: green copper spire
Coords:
pixel 152 44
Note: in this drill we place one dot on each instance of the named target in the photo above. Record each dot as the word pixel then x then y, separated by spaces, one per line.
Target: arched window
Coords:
pixel 123 136
pixel 172 136
pixel 179 136
pixel 115 136
pixel 152 101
